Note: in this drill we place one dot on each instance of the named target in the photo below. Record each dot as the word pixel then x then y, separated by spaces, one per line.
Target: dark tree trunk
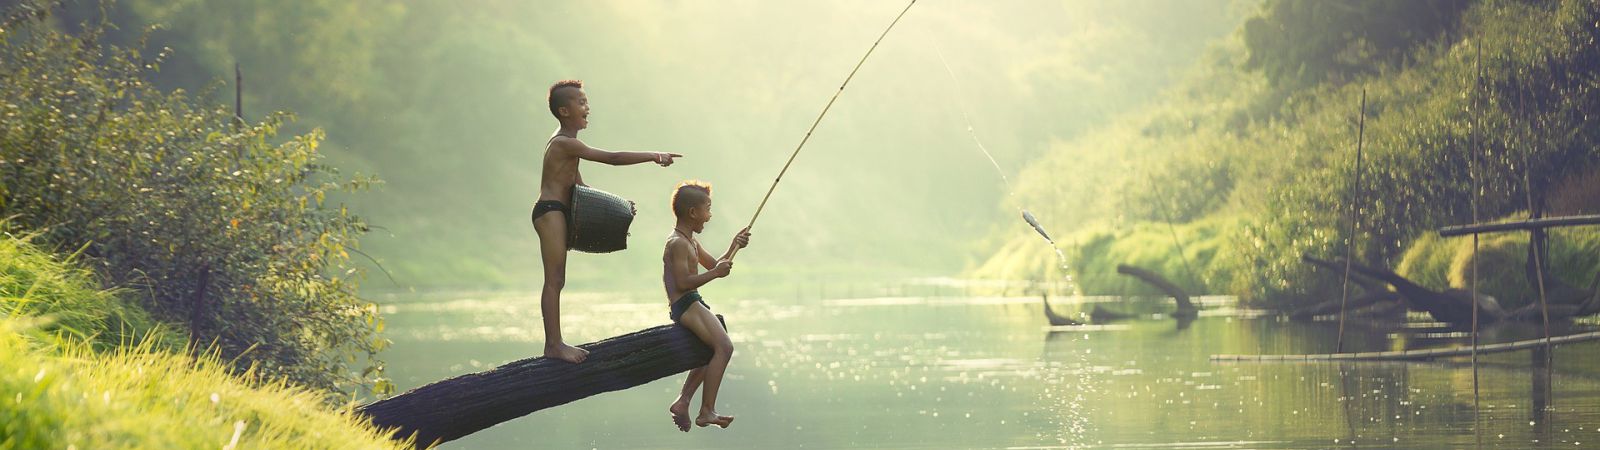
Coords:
pixel 1354 307
pixel 1450 305
pixel 1186 308
pixel 456 407
pixel 1367 284
pixel 197 308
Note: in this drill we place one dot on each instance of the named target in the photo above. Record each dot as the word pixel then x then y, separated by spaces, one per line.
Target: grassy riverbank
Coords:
pixel 80 367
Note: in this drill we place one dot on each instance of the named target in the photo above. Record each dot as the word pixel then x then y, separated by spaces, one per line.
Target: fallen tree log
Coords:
pixel 449 409
pixel 1450 305
pixel 1375 291
pixel 1186 308
pixel 1354 307
pixel 1367 284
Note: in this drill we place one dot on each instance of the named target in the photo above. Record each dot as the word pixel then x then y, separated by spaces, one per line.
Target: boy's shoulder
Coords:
pixel 559 142
pixel 677 243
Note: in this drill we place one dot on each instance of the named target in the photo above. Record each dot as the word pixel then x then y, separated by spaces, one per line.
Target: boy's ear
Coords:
pixel 561 111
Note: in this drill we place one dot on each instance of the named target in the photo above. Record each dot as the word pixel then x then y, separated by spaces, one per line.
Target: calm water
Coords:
pixel 956 372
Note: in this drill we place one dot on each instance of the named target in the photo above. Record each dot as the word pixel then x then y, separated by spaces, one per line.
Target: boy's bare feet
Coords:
pixel 566 353
pixel 680 414
pixel 712 418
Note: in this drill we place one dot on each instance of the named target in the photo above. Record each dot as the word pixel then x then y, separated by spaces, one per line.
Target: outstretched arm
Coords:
pixel 680 256
pixel 583 151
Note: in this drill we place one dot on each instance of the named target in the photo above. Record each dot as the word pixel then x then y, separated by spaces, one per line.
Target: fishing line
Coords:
pixel 819 121
pixel 961 106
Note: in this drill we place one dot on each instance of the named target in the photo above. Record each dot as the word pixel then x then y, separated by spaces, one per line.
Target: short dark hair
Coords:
pixel 557 99
pixel 690 194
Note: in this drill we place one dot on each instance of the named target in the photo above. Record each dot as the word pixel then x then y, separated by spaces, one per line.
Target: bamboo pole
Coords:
pixel 814 123
pixel 1416 355
pixel 1530 224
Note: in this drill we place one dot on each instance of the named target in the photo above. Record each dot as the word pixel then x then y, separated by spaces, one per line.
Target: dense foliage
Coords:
pixel 1300 43
pixel 215 224
pixel 1476 122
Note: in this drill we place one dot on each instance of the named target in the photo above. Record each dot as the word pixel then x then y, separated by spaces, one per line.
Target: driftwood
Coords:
pixel 452 408
pixel 1186 308
pixel 1450 305
pixel 1103 314
pixel 1056 319
pixel 1366 283
pixel 1380 303
pixel 1375 292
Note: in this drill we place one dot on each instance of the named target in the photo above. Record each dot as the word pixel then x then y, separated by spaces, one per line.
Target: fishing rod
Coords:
pixel 819 121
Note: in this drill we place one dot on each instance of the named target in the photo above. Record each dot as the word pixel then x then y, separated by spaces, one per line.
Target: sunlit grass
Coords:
pixel 1447 262
pixel 37 284
pixel 141 397
pixel 79 368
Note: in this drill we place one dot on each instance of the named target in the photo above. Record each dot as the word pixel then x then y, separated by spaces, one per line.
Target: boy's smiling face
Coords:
pixel 576 111
pixel 701 214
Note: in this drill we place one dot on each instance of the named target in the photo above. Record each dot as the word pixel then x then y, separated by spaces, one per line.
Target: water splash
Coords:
pixel 1071 285
pixel 1075 423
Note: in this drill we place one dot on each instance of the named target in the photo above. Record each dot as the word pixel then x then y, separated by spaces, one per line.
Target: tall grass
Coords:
pixel 66 301
pixel 140 397
pixel 82 368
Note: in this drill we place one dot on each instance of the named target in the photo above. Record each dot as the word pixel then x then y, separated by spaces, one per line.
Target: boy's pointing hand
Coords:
pixel 665 159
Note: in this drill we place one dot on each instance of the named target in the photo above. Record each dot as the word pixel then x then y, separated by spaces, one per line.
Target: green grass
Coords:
pixel 1094 253
pixel 141 397
pixel 80 368
pixel 1447 262
pixel 66 300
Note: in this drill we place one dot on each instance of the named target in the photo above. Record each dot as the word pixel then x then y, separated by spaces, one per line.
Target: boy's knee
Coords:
pixel 723 348
pixel 555 281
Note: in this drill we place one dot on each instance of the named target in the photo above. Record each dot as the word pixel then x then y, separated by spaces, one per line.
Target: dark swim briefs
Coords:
pixel 681 305
pixel 544 206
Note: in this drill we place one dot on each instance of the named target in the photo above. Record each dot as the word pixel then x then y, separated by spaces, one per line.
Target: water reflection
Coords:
pixel 964 372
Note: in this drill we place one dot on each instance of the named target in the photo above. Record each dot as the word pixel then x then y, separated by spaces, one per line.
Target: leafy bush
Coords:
pixel 216 224
pixel 1452 127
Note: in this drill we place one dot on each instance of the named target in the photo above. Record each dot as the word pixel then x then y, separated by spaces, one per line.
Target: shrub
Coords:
pixel 213 223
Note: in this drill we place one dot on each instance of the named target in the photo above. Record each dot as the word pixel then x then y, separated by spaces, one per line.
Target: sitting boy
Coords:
pixel 691 203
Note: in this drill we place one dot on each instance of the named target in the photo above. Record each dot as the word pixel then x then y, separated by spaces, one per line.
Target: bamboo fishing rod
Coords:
pixel 819 121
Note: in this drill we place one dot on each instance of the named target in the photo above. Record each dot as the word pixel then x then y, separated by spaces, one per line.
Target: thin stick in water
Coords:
pixel 1355 214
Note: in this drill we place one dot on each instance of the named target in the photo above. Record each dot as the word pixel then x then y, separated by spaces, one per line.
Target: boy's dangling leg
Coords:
pixel 552 228
pixel 680 408
pixel 705 325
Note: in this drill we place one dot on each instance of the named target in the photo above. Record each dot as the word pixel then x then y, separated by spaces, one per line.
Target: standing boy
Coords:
pixel 561 155
pixel 691 203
